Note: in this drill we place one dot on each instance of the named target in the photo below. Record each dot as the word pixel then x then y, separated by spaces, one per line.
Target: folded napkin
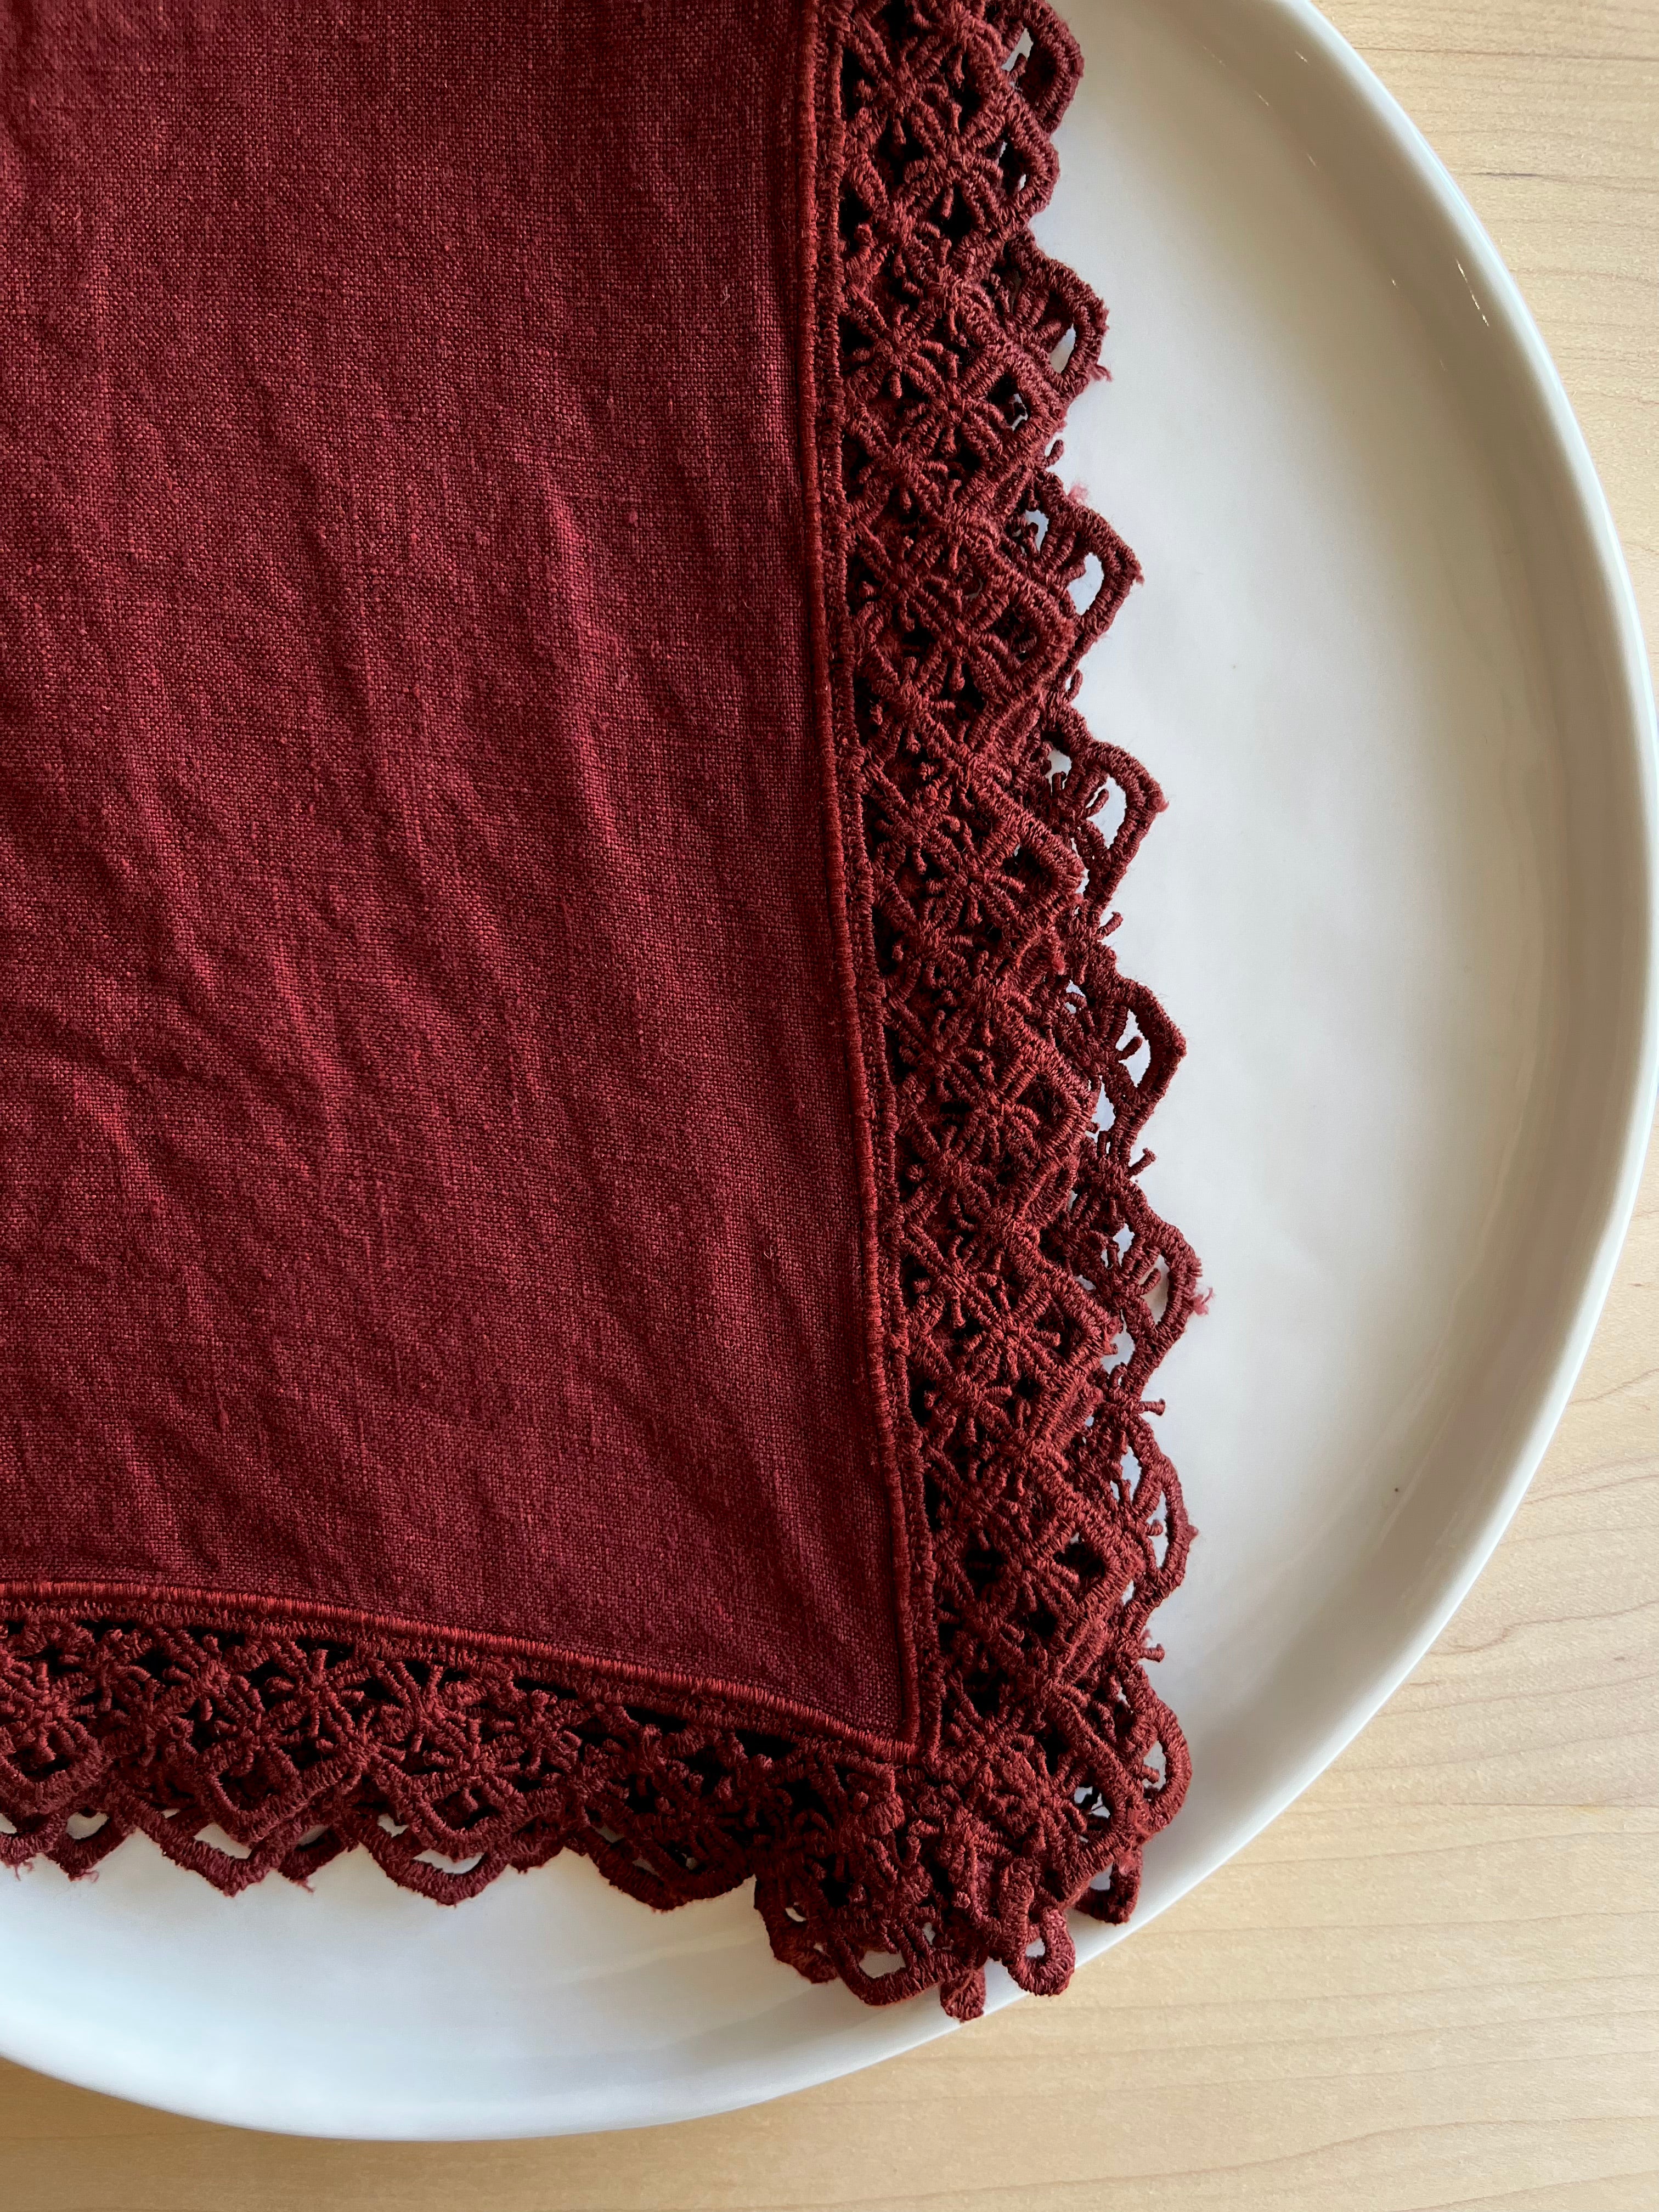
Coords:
pixel 574 1273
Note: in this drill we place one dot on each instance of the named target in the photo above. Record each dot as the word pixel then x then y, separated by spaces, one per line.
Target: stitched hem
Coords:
pixel 741 1703
pixel 849 893
pixel 1021 1290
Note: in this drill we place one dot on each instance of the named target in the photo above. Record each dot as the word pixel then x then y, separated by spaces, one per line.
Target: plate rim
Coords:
pixel 1504 306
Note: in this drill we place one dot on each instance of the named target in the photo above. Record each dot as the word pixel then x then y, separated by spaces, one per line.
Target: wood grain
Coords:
pixel 1434 1982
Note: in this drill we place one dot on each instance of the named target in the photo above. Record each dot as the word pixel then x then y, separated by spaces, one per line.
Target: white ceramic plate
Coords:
pixel 1387 668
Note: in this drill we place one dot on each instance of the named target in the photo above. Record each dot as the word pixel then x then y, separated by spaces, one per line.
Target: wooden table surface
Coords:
pixel 1435 1982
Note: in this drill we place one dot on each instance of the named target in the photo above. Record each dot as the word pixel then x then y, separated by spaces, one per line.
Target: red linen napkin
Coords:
pixel 573 1271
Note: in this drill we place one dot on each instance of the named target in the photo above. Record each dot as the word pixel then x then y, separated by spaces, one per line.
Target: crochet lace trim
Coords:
pixel 1023 1290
